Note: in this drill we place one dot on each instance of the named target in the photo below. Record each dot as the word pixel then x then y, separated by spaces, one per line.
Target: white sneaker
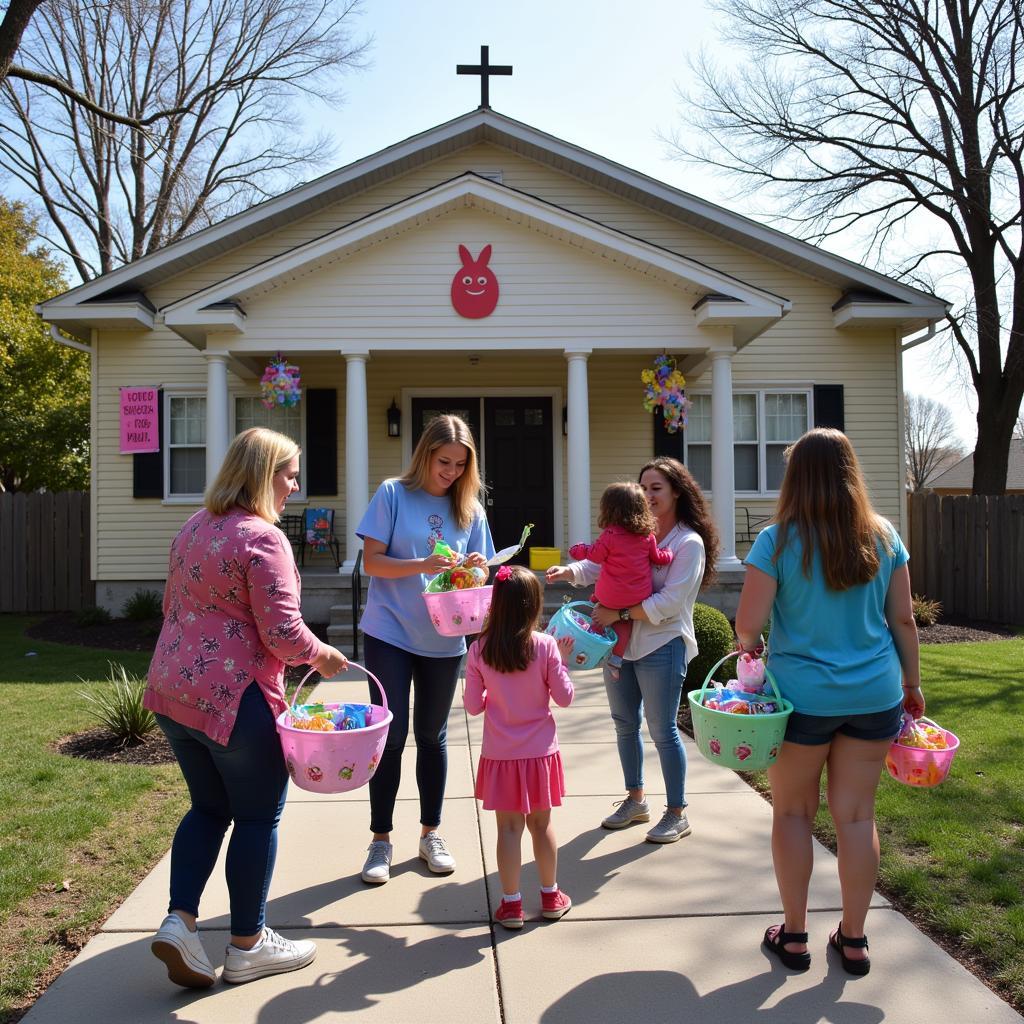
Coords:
pixel 377 869
pixel 435 853
pixel 182 951
pixel 273 955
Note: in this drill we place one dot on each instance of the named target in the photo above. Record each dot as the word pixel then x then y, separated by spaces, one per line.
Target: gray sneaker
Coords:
pixel 671 828
pixel 435 853
pixel 183 954
pixel 628 811
pixel 377 869
pixel 274 955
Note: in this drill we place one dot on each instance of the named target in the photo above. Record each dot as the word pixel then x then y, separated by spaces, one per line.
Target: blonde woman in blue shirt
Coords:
pixel 832 574
pixel 436 499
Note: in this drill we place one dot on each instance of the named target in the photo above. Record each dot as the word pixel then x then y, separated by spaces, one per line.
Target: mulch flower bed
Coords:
pixel 100 745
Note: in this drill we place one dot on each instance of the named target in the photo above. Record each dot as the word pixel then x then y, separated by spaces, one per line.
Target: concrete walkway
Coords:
pixel 657 933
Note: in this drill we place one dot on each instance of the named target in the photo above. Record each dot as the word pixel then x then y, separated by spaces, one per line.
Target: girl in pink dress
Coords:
pixel 513 672
pixel 626 550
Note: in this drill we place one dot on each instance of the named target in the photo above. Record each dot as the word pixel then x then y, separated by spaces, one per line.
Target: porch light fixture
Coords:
pixel 565 421
pixel 394 420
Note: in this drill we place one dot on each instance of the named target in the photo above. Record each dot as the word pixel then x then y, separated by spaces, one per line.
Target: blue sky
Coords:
pixel 597 73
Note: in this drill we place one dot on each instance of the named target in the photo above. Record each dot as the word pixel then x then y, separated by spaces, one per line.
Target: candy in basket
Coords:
pixel 333 747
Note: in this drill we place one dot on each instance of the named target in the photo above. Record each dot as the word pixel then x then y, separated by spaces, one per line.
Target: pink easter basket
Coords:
pixel 459 612
pixel 919 766
pixel 335 762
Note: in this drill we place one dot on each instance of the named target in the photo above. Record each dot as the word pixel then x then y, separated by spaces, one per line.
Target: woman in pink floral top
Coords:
pixel 216 684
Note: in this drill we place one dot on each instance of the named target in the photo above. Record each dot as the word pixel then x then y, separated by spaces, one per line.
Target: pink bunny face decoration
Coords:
pixel 474 287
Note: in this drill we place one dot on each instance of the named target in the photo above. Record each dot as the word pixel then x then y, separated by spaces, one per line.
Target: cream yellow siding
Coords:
pixel 397 292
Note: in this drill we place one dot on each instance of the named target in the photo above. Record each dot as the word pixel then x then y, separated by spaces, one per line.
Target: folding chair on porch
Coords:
pixel 318 535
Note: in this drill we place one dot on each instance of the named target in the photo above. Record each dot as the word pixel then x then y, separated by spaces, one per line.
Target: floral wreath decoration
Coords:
pixel 280 384
pixel 663 386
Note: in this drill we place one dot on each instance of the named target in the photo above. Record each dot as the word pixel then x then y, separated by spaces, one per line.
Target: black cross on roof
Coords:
pixel 484 70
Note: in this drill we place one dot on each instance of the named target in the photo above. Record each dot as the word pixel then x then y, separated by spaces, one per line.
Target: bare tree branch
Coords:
pixel 874 120
pixel 930 440
pixel 201 91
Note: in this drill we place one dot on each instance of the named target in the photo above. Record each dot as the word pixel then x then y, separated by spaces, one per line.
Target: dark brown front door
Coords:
pixel 519 472
pixel 425 409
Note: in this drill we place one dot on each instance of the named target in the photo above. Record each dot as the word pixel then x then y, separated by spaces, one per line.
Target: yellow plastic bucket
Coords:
pixel 544 558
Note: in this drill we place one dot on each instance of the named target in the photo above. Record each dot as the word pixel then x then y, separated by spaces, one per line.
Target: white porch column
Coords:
pixel 723 485
pixel 357 454
pixel 578 425
pixel 218 430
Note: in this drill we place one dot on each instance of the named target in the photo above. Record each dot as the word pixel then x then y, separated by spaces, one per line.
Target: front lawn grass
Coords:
pixel 77 835
pixel 953 856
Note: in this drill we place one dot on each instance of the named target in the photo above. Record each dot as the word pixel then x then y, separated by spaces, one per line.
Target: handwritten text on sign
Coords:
pixel 139 425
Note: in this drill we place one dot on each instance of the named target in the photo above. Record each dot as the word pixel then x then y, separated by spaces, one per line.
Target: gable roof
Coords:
pixel 889 300
pixel 718 298
pixel 961 474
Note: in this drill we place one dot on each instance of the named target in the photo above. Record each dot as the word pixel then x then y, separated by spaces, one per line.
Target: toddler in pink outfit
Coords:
pixel 625 551
pixel 513 673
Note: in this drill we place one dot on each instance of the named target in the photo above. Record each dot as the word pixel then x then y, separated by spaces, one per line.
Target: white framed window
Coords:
pixel 764 424
pixel 185 451
pixel 249 411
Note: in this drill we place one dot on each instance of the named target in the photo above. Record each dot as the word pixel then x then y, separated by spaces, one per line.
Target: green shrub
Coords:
pixel 92 617
pixel 926 613
pixel 715 639
pixel 142 605
pixel 118 705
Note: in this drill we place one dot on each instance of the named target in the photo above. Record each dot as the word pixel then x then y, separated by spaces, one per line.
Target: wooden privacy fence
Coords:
pixel 44 552
pixel 968 553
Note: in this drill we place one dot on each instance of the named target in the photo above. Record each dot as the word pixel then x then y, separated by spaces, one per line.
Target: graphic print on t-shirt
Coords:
pixel 435 522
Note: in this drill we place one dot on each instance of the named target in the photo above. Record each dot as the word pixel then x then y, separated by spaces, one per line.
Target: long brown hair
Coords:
pixel 624 505
pixel 825 500
pixel 464 494
pixel 506 644
pixel 691 509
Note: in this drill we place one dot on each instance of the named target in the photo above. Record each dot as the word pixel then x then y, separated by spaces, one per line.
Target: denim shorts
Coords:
pixel 815 730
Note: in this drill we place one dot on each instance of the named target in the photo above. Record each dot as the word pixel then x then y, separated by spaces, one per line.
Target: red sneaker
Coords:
pixel 510 914
pixel 554 905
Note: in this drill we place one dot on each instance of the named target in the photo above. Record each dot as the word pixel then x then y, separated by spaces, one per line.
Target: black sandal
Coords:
pixel 777 945
pixel 837 940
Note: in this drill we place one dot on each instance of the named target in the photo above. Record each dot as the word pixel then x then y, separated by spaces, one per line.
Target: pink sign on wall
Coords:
pixel 140 430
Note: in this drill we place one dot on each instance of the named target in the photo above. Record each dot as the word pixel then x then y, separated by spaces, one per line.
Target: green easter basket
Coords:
pixel 746 743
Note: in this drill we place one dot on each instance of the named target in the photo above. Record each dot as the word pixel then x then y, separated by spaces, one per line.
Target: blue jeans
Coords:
pixel 652 687
pixel 434 679
pixel 244 782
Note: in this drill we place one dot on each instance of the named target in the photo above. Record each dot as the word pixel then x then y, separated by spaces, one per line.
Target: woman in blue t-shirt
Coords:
pixel 833 575
pixel 435 499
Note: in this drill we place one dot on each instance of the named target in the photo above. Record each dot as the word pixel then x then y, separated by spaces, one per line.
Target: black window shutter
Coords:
pixel 828 406
pixel 148 467
pixel 321 441
pixel 666 444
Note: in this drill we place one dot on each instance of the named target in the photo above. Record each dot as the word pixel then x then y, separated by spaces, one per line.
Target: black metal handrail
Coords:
pixel 357 601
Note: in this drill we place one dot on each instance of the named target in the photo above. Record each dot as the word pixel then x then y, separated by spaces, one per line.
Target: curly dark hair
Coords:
pixel 691 509
pixel 624 505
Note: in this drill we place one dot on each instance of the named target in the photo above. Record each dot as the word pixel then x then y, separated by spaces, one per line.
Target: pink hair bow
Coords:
pixel 502 574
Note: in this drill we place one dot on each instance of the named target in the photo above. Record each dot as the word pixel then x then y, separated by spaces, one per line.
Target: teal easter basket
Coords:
pixel 742 742
pixel 588 649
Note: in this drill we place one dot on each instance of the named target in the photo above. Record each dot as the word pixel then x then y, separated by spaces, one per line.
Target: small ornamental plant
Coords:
pixel 142 606
pixel 117 705
pixel 926 613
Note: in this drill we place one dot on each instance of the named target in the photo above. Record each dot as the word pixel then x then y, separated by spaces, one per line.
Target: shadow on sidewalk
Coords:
pixel 390 964
pixel 667 996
